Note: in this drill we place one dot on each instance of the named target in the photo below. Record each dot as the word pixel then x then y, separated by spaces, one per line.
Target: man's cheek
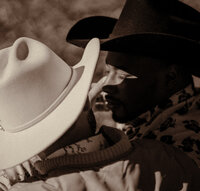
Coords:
pixel 128 88
pixel 130 83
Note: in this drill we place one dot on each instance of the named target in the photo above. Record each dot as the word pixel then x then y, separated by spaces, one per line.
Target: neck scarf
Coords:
pixel 176 122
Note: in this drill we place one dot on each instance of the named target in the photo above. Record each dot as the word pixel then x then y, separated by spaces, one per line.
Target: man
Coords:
pixel 153 51
pixel 47 143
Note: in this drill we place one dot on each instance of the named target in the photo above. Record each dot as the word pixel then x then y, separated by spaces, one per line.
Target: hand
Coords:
pixel 85 123
pixel 18 173
pixel 96 88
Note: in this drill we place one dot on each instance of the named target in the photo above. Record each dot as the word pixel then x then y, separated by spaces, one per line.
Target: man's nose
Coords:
pixel 111 83
pixel 22 50
pixel 110 89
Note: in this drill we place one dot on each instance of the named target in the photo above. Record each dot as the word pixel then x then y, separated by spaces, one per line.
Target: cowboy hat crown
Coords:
pixel 152 27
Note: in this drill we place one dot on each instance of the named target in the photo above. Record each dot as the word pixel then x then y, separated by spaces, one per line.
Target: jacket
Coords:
pixel 138 165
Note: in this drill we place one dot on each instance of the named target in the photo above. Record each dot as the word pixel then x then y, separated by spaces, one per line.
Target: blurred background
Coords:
pixel 49 21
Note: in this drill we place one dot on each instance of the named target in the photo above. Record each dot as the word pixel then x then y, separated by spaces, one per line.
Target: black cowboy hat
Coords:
pixel 160 27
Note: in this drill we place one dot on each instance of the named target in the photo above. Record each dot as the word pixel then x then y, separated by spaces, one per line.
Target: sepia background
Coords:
pixel 49 21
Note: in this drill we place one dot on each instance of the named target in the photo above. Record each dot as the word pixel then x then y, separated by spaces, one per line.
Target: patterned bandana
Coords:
pixel 177 122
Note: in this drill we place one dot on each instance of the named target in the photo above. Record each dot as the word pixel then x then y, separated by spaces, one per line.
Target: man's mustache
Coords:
pixel 111 99
pixel 110 89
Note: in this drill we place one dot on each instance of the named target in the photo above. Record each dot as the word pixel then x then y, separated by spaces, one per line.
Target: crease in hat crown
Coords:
pixel 169 17
pixel 159 28
pixel 32 87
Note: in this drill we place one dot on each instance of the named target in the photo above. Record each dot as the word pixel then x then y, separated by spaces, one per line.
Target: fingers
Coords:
pixel 37 158
pixel 28 167
pixel 11 174
pixel 136 176
pixel 185 186
pixel 20 172
pixel 5 183
pixel 95 90
pixel 133 178
pixel 24 170
pixel 158 180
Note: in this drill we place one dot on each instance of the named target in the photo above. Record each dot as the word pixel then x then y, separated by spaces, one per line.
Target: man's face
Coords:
pixel 134 84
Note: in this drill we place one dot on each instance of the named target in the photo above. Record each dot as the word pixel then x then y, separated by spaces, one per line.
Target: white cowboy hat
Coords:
pixel 40 97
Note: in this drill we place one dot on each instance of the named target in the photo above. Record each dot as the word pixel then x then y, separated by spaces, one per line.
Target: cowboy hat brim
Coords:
pixel 18 147
pixel 150 43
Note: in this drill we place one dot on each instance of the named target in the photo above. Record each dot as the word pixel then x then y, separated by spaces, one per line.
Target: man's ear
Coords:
pixel 171 77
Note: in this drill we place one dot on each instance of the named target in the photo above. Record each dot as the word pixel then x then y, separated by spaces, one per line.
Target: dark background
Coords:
pixel 49 21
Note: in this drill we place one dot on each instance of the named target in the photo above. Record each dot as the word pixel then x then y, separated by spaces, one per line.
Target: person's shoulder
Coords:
pixel 173 166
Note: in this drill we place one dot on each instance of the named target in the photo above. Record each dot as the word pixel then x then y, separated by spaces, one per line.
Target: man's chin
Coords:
pixel 120 119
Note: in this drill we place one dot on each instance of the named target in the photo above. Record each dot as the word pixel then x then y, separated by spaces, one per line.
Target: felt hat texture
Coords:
pixel 152 27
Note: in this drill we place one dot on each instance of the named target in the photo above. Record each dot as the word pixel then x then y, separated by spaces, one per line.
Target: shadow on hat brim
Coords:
pixel 151 44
